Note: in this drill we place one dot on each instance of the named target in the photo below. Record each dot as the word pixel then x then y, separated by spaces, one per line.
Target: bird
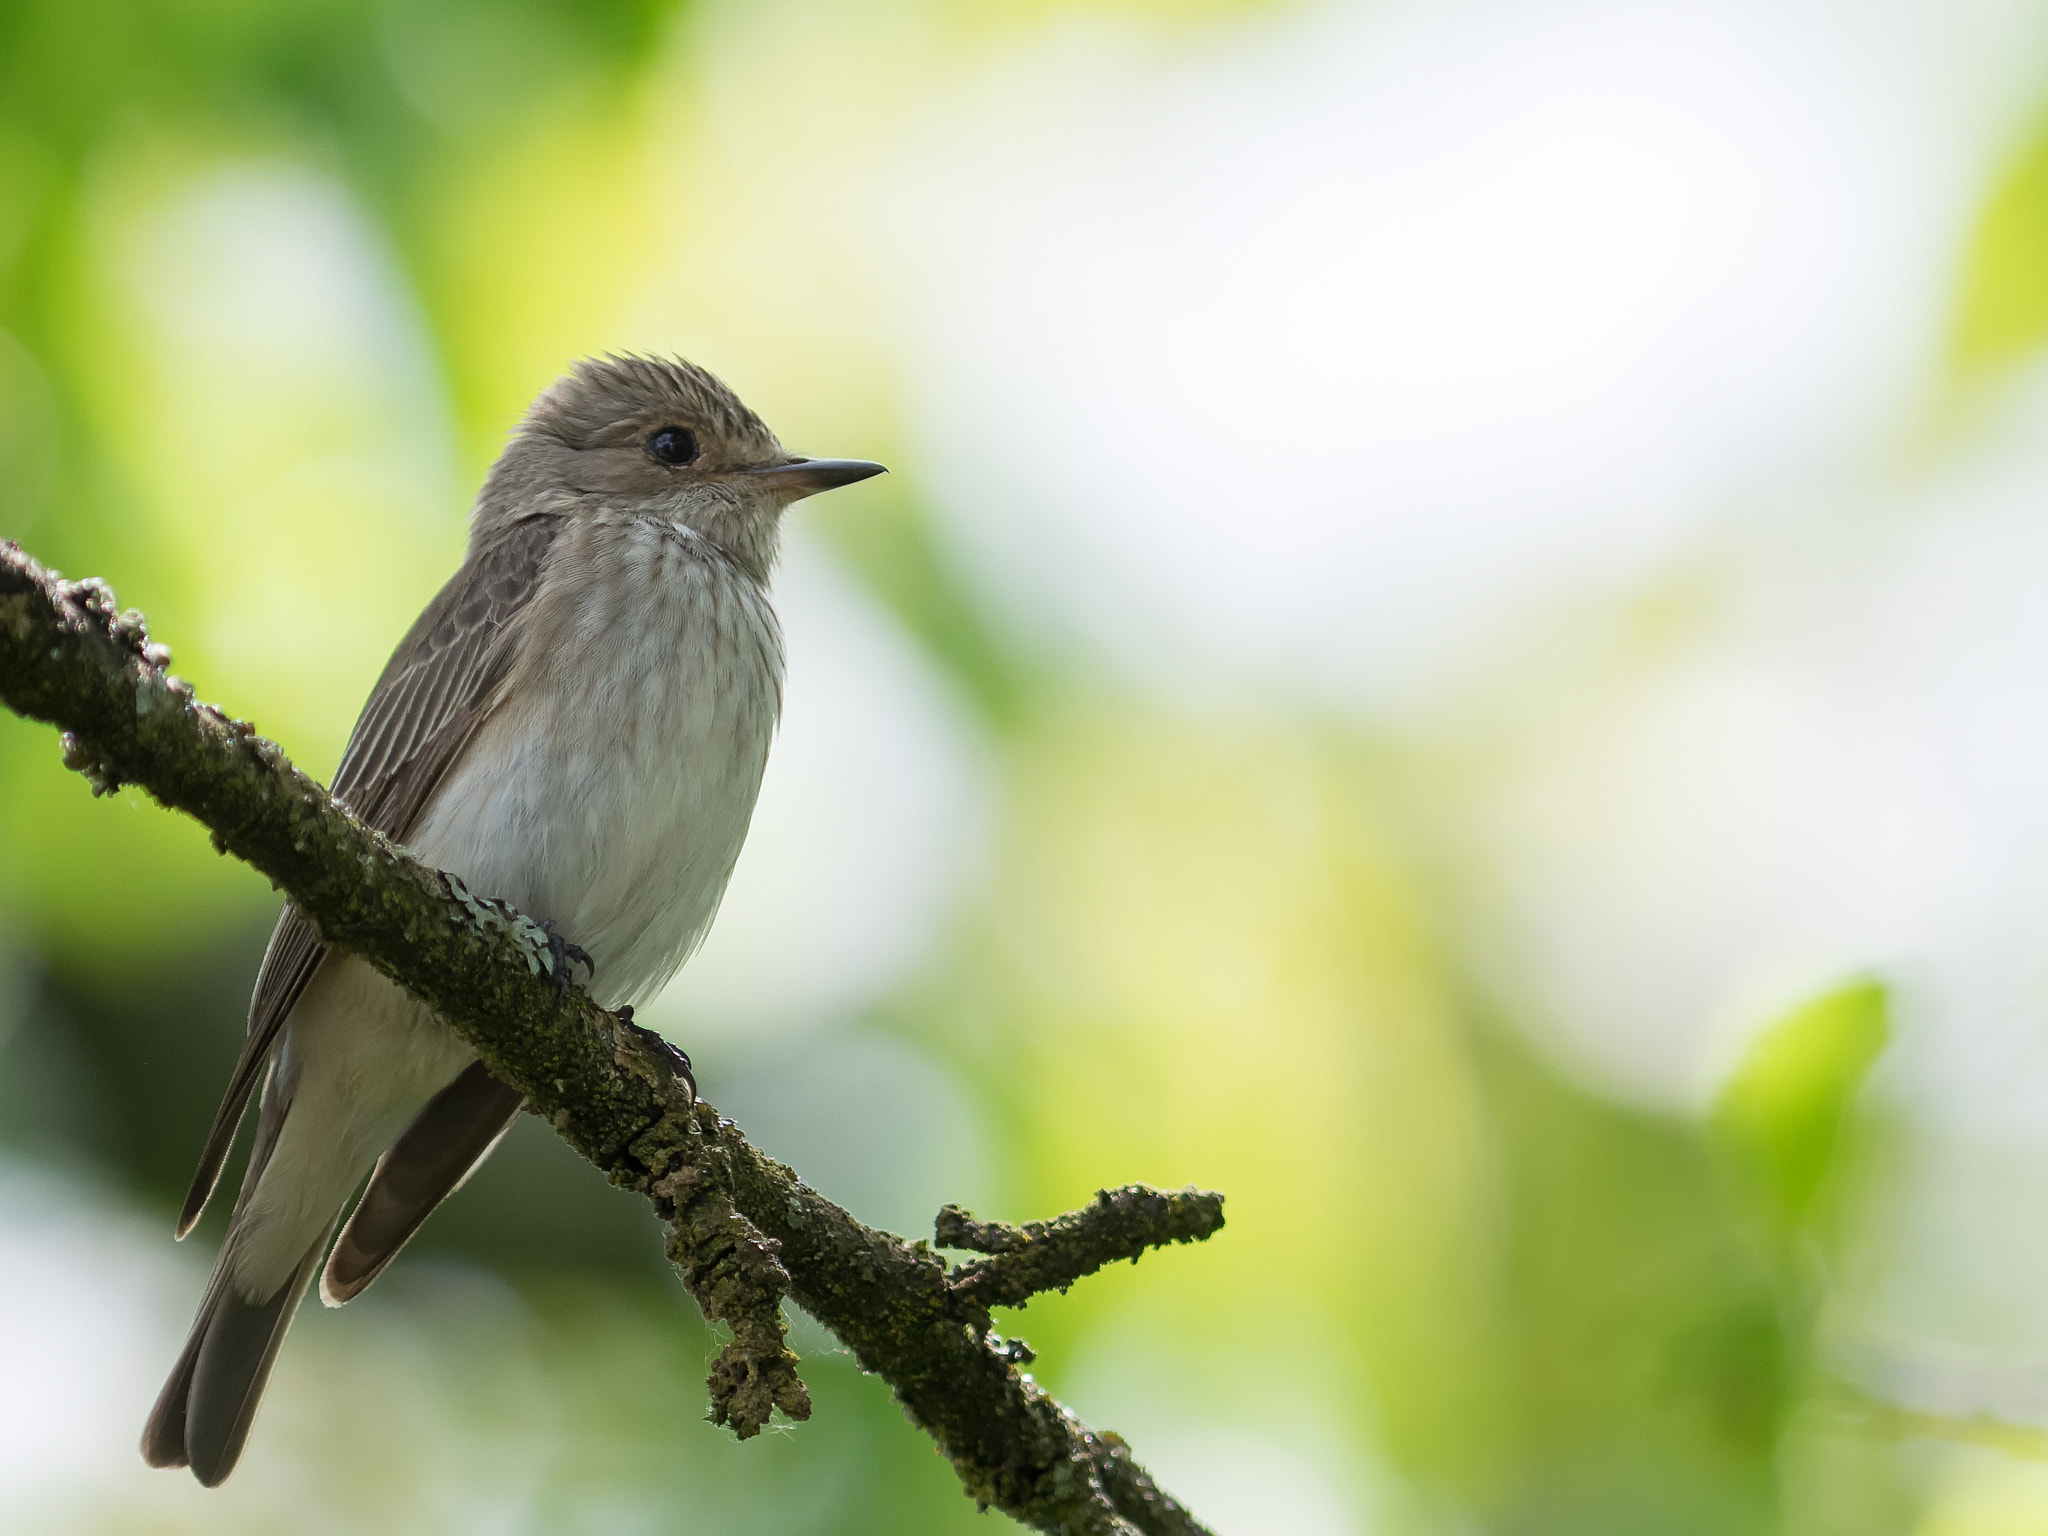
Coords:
pixel 577 724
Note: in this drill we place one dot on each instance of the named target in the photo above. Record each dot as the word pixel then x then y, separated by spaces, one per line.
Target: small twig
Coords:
pixel 1137 1498
pixel 955 1227
pixel 737 1277
pixel 1051 1255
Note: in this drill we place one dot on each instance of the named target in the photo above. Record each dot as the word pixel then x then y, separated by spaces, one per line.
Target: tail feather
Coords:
pixel 443 1145
pixel 163 1437
pixel 203 1415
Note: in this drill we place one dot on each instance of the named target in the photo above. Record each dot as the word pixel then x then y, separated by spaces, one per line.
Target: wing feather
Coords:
pixel 435 692
pixel 445 1142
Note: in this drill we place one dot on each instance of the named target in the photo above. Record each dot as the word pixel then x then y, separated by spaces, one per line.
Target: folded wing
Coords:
pixel 437 689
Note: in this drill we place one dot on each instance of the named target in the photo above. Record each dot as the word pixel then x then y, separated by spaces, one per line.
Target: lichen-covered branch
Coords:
pixel 1051 1255
pixel 737 1278
pixel 745 1228
pixel 1140 1500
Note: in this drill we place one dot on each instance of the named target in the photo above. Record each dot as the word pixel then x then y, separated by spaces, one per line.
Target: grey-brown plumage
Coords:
pixel 452 1135
pixel 577 724
pixel 429 702
pixel 234 1341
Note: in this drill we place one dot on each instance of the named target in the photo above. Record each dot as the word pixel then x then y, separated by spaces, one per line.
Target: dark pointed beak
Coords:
pixel 807 477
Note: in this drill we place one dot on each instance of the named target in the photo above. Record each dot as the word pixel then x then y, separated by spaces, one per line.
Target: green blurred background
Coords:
pixel 1457 582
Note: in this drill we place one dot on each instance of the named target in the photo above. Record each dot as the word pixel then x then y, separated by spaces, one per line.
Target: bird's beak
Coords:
pixel 806 477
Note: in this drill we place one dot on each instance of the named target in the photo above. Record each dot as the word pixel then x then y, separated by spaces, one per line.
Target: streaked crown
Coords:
pixel 603 400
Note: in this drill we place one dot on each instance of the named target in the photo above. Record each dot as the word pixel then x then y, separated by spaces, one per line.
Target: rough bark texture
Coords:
pixel 1051 1255
pixel 745 1229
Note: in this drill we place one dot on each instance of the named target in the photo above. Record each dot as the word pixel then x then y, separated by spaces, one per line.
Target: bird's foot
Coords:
pixel 678 1058
pixel 562 952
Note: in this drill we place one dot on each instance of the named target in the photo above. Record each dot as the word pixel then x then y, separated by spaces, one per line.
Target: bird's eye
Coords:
pixel 673 445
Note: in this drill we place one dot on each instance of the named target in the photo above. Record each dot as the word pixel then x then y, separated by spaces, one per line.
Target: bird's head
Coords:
pixel 663 438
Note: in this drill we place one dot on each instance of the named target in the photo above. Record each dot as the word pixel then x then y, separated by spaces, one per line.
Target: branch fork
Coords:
pixel 1043 1256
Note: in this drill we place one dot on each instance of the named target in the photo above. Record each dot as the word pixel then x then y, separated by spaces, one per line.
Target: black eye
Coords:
pixel 673 445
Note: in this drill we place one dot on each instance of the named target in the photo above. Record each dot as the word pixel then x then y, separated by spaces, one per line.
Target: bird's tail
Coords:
pixel 202 1416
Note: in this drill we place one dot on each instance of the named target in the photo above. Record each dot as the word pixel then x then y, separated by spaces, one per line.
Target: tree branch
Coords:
pixel 744 1229
pixel 1051 1255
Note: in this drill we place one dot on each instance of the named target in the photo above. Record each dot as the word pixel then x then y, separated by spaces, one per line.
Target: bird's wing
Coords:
pixel 436 690
pixel 426 1165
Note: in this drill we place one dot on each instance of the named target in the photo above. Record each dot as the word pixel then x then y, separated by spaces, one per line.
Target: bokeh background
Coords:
pixel 1457 648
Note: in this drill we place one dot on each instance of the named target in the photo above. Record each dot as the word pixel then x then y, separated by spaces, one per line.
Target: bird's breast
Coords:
pixel 611 787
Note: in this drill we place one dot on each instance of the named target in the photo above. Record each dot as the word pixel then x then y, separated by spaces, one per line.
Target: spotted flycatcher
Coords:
pixel 577 724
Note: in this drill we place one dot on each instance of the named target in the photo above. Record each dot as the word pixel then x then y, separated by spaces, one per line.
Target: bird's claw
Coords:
pixel 678 1058
pixel 562 952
